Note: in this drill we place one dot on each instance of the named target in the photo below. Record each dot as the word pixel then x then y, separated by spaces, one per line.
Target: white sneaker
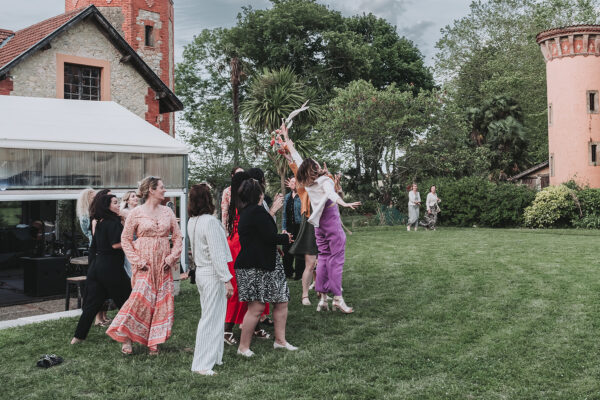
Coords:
pixel 287 346
pixel 248 353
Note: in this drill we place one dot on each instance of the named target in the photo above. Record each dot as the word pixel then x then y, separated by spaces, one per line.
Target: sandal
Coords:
pixel 49 360
pixel 153 351
pixel 229 339
pixel 127 349
pixel 261 334
pixel 267 321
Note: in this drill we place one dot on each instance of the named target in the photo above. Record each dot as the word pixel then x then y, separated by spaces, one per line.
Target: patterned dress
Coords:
pixel 147 316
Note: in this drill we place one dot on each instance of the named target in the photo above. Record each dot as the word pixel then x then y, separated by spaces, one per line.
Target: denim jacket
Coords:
pixel 297 210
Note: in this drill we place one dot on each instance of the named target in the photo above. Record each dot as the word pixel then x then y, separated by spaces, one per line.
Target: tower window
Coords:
pixel 551 164
pixel 149 37
pixel 550 114
pixel 592 101
pixel 593 150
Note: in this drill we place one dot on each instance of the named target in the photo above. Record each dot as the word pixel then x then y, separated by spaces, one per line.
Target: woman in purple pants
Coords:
pixel 331 239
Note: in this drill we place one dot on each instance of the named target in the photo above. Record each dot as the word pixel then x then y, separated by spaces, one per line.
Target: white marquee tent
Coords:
pixel 50 149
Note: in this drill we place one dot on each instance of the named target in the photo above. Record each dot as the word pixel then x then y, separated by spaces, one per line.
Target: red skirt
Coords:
pixel 236 309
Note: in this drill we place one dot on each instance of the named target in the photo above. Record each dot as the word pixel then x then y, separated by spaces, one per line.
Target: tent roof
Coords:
pixel 79 125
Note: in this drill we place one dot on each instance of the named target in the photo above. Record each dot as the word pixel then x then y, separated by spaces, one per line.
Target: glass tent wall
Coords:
pixel 62 169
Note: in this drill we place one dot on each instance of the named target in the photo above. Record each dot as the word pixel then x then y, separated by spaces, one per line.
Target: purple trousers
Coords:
pixel 331 242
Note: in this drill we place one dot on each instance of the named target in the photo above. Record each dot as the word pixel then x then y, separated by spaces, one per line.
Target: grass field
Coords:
pixel 457 313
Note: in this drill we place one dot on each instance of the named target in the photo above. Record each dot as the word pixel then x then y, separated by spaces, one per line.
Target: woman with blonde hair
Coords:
pixel 147 316
pixel 129 201
pixel 83 212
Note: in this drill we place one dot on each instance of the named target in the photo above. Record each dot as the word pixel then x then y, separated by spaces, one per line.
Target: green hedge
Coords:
pixel 474 201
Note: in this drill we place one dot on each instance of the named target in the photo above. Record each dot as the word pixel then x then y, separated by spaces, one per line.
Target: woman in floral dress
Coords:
pixel 147 316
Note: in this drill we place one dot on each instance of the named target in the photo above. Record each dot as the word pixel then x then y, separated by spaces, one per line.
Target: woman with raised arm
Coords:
pixel 147 316
pixel 331 239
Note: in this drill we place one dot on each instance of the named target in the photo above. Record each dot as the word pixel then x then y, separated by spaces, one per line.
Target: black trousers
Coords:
pixel 106 279
pixel 289 259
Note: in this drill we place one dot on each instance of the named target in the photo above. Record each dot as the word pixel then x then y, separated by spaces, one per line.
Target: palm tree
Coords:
pixel 271 97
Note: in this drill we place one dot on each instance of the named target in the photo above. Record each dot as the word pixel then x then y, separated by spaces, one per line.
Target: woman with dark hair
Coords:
pixel 226 199
pixel 101 318
pixel 211 254
pixel 259 175
pixel 331 239
pixel 106 278
pixel 235 309
pixel 259 272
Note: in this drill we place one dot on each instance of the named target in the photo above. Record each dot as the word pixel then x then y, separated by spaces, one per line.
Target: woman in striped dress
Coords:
pixel 211 255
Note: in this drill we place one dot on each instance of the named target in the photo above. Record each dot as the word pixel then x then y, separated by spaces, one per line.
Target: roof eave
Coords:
pixel 168 101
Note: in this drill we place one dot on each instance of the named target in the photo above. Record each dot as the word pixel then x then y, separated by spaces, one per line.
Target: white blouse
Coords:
pixel 210 249
pixel 319 192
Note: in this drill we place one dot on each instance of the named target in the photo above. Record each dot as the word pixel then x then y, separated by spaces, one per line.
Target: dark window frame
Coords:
pixel 82 82
pixel 148 35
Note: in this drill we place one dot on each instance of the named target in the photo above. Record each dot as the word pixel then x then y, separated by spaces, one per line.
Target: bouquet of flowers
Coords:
pixel 277 142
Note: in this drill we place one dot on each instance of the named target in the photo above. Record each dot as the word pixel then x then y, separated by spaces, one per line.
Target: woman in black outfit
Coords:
pixel 259 273
pixel 106 277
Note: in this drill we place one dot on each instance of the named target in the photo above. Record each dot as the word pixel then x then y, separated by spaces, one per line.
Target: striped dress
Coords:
pixel 147 316
pixel 211 255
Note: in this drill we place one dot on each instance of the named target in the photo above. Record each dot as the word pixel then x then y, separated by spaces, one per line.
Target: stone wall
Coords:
pixel 151 55
pixel 36 76
pixel 115 17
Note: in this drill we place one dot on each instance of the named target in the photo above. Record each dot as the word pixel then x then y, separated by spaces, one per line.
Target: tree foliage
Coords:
pixel 492 52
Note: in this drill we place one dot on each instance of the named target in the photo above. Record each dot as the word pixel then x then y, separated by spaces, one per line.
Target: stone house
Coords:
pixel 81 55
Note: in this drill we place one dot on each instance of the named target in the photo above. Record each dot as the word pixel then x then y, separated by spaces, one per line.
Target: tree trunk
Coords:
pixel 357 157
pixel 235 86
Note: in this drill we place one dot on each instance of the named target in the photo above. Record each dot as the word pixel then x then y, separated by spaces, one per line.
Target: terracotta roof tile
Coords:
pixel 5 33
pixel 24 39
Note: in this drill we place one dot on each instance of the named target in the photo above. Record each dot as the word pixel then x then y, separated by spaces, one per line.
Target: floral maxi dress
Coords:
pixel 147 316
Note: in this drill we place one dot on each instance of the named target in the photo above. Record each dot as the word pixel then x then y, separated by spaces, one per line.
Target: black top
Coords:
pixel 108 232
pixel 258 238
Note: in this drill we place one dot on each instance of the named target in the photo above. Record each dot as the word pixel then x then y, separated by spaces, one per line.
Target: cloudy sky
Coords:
pixel 418 20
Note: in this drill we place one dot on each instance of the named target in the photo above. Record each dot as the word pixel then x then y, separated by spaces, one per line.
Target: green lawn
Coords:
pixel 457 313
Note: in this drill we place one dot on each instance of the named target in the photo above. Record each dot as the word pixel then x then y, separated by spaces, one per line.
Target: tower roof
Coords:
pixel 567 30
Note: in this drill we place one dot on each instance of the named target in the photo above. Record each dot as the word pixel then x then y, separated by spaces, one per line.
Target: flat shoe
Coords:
pixel 305 301
pixel 208 372
pixel 286 346
pixel 248 353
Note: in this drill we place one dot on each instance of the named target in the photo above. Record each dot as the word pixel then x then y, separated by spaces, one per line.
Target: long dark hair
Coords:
pixel 95 201
pixel 201 201
pixel 103 210
pixel 236 182
pixel 249 193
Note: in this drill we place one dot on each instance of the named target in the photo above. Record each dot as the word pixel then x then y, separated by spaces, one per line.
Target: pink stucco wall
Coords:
pixel 572 127
pixel 572 56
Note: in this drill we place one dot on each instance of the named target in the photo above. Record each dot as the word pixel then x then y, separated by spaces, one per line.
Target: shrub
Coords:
pixel 477 201
pixel 553 207
pixel 591 221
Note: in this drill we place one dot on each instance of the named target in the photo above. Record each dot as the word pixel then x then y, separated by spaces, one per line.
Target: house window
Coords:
pixel 82 82
pixel 552 164
pixel 550 114
pixel 593 154
pixel 149 38
pixel 592 101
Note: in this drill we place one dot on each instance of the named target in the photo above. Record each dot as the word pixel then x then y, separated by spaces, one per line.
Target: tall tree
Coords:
pixel 271 97
pixel 492 52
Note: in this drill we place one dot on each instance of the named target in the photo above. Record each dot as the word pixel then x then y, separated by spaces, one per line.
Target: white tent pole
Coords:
pixel 183 225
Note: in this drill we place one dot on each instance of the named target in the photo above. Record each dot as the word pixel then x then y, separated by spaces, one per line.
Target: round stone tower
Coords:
pixel 572 56
pixel 147 25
